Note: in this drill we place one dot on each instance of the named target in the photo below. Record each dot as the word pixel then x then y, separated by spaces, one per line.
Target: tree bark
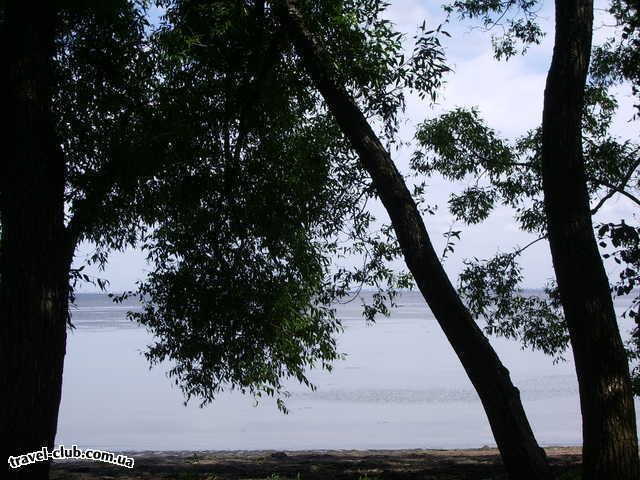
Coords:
pixel 522 456
pixel 608 415
pixel 35 255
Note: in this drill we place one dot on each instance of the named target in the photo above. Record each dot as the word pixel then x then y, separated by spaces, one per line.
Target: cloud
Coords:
pixel 508 95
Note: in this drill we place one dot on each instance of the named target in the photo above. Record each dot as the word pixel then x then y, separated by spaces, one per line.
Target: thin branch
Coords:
pixel 520 250
pixel 449 241
pixel 616 189
pixel 602 201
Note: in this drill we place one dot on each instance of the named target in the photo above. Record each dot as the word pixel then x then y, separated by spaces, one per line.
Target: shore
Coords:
pixel 472 464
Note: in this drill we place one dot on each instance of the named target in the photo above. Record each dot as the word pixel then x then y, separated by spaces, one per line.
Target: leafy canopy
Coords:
pixel 460 146
pixel 202 141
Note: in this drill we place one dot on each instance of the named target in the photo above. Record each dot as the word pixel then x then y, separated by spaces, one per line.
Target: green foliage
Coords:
pixel 460 146
pixel 492 292
pixel 204 143
pixel 622 244
pixel 244 207
pixel 618 58
pixel 365 48
pixel 104 86
pixel 369 56
pixel 452 236
pixel 515 18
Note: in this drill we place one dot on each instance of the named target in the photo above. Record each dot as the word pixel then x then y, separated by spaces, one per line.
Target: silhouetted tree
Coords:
pixel 522 456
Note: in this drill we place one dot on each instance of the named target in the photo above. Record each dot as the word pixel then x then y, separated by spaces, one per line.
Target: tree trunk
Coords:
pixel 34 253
pixel 522 457
pixel 608 415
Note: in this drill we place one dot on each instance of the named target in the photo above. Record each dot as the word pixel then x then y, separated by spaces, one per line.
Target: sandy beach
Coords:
pixel 470 464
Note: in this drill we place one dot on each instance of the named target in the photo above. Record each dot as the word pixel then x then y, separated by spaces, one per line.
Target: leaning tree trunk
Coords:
pixel 34 258
pixel 608 417
pixel 522 456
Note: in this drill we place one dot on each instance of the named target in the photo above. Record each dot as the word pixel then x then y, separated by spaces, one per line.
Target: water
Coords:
pixel 401 386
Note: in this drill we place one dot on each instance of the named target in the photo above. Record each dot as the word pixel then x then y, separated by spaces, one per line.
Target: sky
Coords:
pixel 509 96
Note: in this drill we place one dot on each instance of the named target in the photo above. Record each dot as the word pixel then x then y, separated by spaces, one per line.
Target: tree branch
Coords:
pixel 613 190
pixel 520 250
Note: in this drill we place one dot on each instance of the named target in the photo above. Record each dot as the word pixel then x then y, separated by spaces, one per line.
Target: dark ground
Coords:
pixel 479 464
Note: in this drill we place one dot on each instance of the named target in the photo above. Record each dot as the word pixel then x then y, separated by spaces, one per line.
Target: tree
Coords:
pixel 103 148
pixel 36 253
pixel 615 62
pixel 460 146
pixel 62 61
pixel 521 454
pixel 609 423
pixel 556 168
pixel 246 222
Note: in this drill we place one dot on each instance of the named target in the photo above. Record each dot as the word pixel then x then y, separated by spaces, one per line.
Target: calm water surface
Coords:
pixel 401 386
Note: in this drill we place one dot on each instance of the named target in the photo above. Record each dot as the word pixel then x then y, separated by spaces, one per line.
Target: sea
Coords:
pixel 399 386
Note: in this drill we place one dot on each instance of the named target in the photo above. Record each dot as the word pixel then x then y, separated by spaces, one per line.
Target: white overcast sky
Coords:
pixel 509 96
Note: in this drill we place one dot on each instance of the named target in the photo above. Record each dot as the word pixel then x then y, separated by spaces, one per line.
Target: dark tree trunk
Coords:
pixel 608 415
pixel 34 251
pixel 501 400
